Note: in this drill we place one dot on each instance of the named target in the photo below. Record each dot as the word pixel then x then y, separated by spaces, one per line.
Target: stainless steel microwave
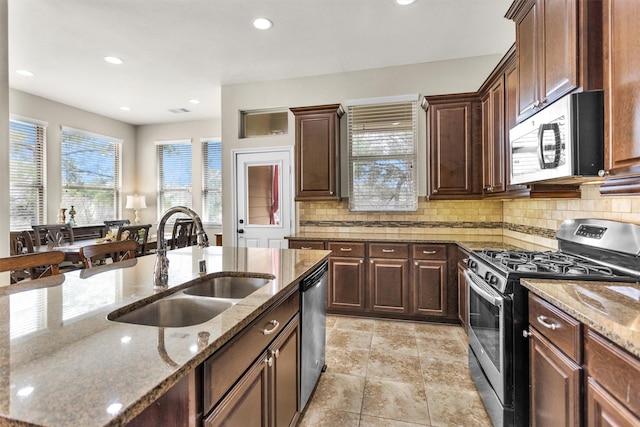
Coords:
pixel 565 141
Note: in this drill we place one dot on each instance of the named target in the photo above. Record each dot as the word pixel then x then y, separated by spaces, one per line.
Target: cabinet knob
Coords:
pixel 603 173
pixel 276 353
pixel 526 333
pixel 269 361
pixel 537 104
pixel 415 262
pixel 371 261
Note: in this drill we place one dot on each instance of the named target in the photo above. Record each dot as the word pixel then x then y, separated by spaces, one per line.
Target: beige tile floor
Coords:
pixel 394 374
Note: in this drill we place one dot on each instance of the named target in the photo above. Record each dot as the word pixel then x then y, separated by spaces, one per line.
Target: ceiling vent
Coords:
pixel 179 110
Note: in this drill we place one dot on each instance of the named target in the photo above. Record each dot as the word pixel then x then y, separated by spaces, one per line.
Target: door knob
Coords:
pixel 241 231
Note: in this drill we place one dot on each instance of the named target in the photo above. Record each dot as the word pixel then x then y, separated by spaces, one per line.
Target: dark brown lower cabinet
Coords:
pixel 389 285
pixel 346 284
pixel 555 385
pixel 605 410
pixel 268 394
pixel 429 280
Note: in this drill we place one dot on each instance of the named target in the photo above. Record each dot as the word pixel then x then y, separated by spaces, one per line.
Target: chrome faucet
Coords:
pixel 161 268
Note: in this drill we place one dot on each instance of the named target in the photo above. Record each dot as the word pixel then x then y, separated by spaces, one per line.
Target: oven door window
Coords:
pixel 484 319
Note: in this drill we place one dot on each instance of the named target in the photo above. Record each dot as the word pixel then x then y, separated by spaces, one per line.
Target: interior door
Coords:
pixel 264 198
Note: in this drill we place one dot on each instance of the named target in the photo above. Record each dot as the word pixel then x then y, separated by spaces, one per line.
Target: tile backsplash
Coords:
pixel 533 220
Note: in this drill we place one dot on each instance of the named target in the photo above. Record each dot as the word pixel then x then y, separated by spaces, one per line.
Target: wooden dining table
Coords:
pixel 72 250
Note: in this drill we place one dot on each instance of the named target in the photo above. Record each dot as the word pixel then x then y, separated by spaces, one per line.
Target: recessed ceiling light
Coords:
pixel 262 23
pixel 125 108
pixel 113 60
pixel 25 73
pixel 404 2
pixel 194 101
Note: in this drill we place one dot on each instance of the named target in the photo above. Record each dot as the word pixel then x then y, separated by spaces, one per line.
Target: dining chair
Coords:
pixel 39 264
pixel 53 235
pixel 183 233
pixel 138 233
pixel 118 251
pixel 20 242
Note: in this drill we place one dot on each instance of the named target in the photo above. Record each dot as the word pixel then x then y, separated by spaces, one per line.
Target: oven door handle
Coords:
pixel 479 288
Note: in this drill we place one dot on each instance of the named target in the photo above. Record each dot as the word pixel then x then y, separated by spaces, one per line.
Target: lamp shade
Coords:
pixel 136 202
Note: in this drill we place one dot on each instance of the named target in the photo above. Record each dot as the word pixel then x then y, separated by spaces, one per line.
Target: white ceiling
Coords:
pixel 176 50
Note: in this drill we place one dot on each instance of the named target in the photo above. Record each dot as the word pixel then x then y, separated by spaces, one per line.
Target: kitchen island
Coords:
pixel 62 363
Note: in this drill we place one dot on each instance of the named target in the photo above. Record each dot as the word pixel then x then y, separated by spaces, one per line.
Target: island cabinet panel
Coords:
pixel 181 405
pixel 554 362
pixel 317 152
pixel 622 97
pixel 268 394
pixel 346 281
pixel 454 145
pixel 229 363
pixel 613 390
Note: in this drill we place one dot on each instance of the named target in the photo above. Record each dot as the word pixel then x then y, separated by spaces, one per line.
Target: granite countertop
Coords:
pixel 62 363
pixel 609 308
pixel 469 241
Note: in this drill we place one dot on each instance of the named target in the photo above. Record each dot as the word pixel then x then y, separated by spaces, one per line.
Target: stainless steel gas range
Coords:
pixel 588 249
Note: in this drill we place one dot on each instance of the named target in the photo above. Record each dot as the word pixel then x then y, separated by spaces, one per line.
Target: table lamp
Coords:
pixel 136 203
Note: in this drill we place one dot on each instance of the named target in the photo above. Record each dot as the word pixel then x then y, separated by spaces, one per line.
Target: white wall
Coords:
pixel 146 177
pixel 454 76
pixel 58 115
pixel 4 129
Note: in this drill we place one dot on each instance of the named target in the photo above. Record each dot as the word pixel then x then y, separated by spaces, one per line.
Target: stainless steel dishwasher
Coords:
pixel 313 330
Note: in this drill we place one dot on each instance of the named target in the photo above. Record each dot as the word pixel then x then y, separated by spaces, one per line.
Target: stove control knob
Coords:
pixel 491 278
pixel 473 265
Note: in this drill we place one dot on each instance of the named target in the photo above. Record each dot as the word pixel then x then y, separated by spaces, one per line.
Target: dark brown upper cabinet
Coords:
pixel 558 44
pixel 622 98
pixel 317 152
pixel 454 145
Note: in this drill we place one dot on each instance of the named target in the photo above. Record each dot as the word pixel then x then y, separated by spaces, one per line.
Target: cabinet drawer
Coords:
pixel 438 252
pixel 388 250
pixel 559 328
pixel 613 368
pixel 225 366
pixel 305 244
pixel 350 249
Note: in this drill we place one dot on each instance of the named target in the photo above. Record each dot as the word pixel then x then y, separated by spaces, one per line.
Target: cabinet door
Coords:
pixel 559 50
pixel 247 404
pixel 605 410
pixel 429 284
pixel 451 149
pixel 317 152
pixel 555 385
pixel 526 44
pixel 346 284
pixel 463 304
pixel 388 285
pixel 622 96
pixel 494 156
pixel 285 351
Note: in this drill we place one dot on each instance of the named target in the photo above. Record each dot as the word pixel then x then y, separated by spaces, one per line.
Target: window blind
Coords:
pixel 174 174
pixel 27 312
pixel 91 175
pixel 26 174
pixel 212 177
pixel 382 144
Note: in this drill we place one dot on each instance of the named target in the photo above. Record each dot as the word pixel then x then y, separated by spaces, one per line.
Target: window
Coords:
pixel 174 174
pixel 27 174
pixel 212 177
pixel 90 175
pixel 383 157
pixel 264 123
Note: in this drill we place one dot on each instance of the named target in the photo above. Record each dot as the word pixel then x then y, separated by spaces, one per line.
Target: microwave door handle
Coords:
pixel 555 128
pixel 493 299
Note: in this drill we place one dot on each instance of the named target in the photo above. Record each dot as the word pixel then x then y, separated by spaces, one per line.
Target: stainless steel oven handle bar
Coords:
pixel 478 285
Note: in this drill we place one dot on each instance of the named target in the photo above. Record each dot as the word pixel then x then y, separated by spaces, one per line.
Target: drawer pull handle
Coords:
pixel 306 247
pixel 428 252
pixel 543 320
pixel 346 249
pixel 388 251
pixel 275 324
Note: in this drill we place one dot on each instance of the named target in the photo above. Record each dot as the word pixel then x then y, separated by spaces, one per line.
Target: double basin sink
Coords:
pixel 196 304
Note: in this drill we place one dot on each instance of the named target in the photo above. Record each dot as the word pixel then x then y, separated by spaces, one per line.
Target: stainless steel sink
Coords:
pixel 174 312
pixel 234 287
